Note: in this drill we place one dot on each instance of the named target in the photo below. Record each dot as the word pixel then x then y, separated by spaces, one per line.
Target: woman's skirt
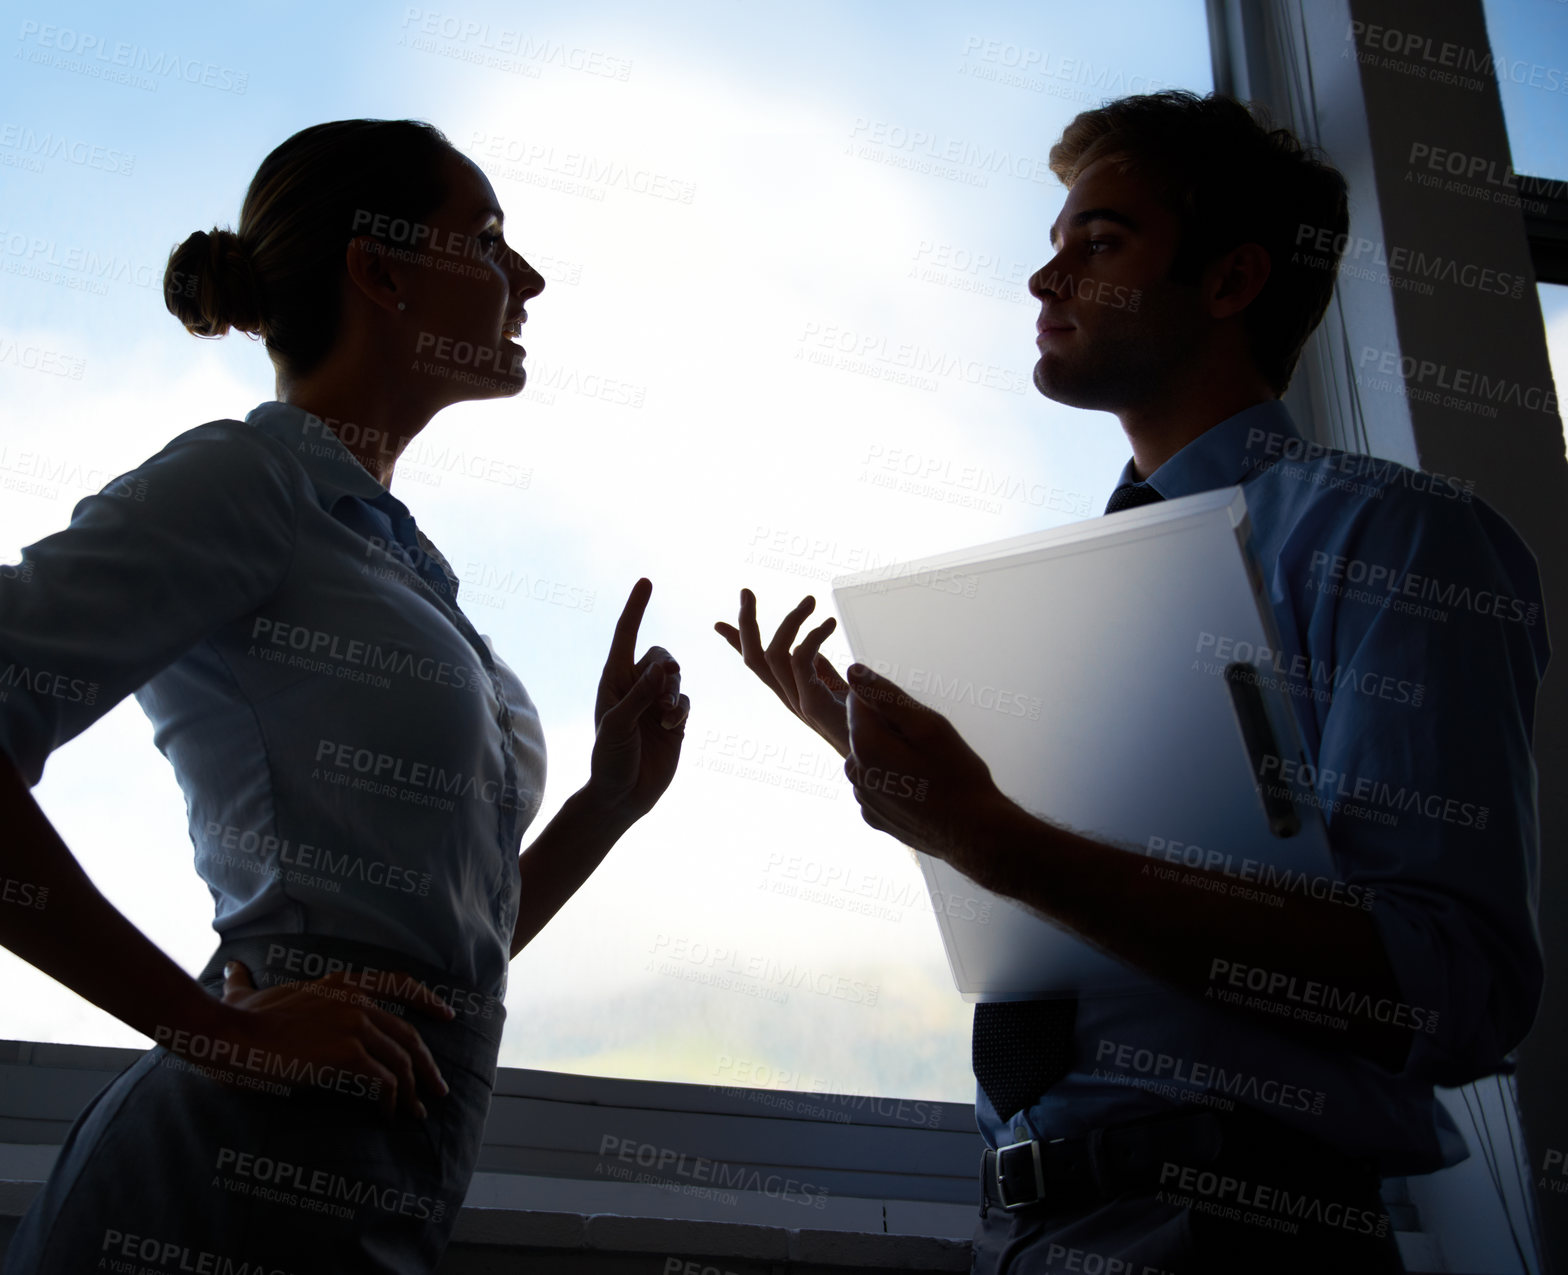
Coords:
pixel 168 1170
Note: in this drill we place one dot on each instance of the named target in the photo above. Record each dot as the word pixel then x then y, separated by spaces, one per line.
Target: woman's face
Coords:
pixel 464 290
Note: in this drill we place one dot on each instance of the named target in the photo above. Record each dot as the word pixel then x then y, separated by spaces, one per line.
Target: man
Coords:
pixel 1196 1129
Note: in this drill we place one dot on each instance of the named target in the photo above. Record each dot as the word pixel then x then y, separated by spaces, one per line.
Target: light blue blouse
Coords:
pixel 357 761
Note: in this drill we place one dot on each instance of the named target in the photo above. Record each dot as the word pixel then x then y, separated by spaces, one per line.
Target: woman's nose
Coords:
pixel 530 282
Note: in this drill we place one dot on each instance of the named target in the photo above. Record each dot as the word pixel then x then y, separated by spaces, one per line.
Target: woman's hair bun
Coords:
pixel 210 287
pixel 280 272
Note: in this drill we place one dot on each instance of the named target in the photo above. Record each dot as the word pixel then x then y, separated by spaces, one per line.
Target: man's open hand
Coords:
pixel 803 678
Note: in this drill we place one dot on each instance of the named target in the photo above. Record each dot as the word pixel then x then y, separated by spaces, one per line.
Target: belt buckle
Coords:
pixel 1001 1177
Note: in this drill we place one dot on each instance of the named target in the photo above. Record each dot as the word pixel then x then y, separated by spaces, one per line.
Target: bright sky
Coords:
pixel 738 214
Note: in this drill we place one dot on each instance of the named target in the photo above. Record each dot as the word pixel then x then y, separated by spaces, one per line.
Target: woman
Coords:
pixel 358 764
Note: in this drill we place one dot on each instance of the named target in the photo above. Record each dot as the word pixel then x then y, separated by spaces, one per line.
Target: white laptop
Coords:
pixel 1087 665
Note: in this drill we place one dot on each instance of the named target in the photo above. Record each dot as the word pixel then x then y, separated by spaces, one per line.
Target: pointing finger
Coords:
pixel 625 640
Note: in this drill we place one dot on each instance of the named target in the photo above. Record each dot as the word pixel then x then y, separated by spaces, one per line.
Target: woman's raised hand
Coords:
pixel 639 719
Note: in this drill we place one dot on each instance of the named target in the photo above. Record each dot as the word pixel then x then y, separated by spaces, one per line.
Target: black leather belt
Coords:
pixel 1064 1173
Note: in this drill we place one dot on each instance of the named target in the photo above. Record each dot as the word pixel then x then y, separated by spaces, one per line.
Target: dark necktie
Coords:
pixel 1130 496
pixel 1021 1048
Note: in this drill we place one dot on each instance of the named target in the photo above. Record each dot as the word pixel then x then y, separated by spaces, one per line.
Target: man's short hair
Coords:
pixel 1230 179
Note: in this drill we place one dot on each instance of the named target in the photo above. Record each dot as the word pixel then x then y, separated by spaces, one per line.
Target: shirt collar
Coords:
pixel 1222 455
pixel 334 471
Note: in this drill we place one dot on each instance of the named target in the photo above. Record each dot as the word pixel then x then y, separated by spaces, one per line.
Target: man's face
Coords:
pixel 1112 328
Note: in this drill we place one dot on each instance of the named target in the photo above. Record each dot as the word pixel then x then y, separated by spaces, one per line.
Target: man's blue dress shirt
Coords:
pixel 1413 640
pixel 357 762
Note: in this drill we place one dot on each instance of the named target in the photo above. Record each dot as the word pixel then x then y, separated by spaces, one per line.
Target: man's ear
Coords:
pixel 1233 280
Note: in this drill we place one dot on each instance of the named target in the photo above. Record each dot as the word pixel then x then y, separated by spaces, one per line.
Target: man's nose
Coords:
pixel 1038 281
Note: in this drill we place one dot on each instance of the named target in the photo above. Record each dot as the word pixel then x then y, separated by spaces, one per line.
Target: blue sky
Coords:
pixel 1530 47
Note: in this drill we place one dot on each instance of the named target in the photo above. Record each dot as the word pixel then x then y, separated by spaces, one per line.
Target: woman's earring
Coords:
pixel 402 305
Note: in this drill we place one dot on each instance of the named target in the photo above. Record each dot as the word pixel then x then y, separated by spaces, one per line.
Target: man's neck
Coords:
pixel 1158 431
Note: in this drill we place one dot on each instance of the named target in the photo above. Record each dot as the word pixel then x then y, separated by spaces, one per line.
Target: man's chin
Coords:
pixel 1048 380
pixel 1061 386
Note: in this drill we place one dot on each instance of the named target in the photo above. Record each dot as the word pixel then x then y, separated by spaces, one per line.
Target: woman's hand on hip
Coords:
pixel 329 1032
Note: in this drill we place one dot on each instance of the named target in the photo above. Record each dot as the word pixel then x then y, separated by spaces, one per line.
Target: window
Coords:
pixel 1528 57
pixel 1554 310
pixel 786 336
pixel 1532 77
pixel 1530 60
